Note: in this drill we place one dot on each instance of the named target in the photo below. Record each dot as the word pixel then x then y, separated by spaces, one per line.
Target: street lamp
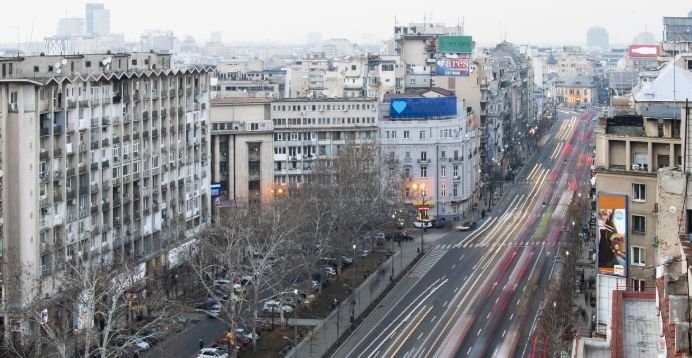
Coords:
pixel 295 319
pixel 421 187
pixel 353 301
pixel 391 278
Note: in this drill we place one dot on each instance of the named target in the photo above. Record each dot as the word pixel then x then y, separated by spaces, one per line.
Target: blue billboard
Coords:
pixel 215 189
pixel 422 107
pixel 452 67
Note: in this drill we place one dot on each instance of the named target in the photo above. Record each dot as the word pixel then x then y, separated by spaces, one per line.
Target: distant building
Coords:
pixel 71 26
pixel 677 36
pixel 157 41
pixel 645 38
pixel 597 37
pixel 98 19
pixel 337 48
pixel 575 91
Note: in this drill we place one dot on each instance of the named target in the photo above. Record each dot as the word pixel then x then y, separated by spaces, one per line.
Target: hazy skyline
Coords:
pixel 529 21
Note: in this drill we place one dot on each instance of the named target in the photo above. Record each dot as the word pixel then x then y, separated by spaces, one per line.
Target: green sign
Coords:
pixel 455 44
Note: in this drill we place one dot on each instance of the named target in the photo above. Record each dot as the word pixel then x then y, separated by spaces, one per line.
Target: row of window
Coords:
pixel 424 171
pixel 335 135
pixel 444 133
pixel 323 107
pixel 322 121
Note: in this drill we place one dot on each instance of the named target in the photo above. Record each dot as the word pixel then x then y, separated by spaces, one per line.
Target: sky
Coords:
pixel 290 21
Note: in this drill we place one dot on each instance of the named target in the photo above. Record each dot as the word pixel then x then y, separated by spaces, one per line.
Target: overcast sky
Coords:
pixel 523 21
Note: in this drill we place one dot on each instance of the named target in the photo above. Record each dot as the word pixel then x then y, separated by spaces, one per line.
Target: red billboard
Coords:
pixel 643 51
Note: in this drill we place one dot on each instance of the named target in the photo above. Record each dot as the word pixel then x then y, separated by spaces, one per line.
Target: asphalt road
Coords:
pixel 478 294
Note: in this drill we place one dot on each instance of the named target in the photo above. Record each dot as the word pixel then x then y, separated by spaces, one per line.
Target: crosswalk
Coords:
pixel 443 247
pixel 428 261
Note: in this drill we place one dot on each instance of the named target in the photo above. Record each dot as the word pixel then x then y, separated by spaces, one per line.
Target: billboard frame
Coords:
pixel 612 216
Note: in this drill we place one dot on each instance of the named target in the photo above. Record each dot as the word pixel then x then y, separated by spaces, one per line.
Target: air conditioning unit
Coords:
pixel 635 166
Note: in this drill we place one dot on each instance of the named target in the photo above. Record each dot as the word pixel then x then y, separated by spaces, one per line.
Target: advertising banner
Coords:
pixel 215 189
pixel 612 234
pixel 455 44
pixel 452 67
pixel 643 51
pixel 422 107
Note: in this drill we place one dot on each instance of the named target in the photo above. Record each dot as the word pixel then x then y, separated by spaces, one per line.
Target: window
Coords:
pixel 443 189
pixel 455 170
pixel 443 171
pixel 422 134
pixel 638 256
pixel 424 172
pixel 407 172
pixel 638 285
pixel 639 192
pixel 455 189
pixel 407 135
pixel 407 155
pixel 638 224
pixel 423 156
pixel 443 154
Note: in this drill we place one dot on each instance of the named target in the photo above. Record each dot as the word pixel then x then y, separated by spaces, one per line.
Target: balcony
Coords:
pixel 105 142
pixel 423 161
pixel 94 208
pixel 145 115
pixel 83 169
pixel 57 196
pixel 116 202
pixel 71 194
pixel 45 131
pixel 94 166
pixel 105 206
pixel 94 188
pixel 105 121
pixel 83 213
pixel 57 153
pixel 83 190
pixel 43 155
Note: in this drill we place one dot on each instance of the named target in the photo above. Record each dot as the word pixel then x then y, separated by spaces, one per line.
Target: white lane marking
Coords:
pixel 445 304
pixel 479 332
pixel 497 299
pixel 462 256
pixel 488 316
pixel 453 266
pixel 419 336
pixel 469 351
pixel 456 289
pixel 503 333
pixel 433 319
pixel 512 316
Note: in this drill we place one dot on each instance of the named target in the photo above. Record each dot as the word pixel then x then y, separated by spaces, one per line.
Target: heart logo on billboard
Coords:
pixel 399 106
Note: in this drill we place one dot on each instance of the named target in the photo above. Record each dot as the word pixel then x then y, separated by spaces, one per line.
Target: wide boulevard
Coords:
pixel 480 293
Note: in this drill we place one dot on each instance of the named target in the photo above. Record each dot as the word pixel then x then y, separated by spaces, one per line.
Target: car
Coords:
pixel 406 236
pixel 246 280
pixel 222 283
pixel 315 285
pixel 214 311
pixel 346 260
pixel 467 226
pixel 423 224
pixel 438 223
pixel 151 335
pixel 274 306
pixel 329 270
pixel 365 253
pixel 212 353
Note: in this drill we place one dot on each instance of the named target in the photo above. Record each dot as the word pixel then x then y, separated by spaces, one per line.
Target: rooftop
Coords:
pixel 640 328
pixel 425 92
pixel 674 83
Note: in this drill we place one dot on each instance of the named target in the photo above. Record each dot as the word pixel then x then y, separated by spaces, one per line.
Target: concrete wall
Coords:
pixel 670 198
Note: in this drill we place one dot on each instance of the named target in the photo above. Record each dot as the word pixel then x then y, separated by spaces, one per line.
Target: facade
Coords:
pixel 307 130
pixel 98 19
pixel 677 36
pixel 642 57
pixel 580 91
pixel 157 41
pixel 439 150
pixel 241 151
pixel 102 158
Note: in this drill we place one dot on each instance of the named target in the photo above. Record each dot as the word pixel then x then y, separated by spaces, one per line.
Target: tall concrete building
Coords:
pixel 597 37
pixel 103 157
pixel 98 19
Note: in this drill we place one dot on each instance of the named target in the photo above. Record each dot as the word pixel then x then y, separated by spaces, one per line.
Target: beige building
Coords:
pixel 306 130
pixel 630 149
pixel 103 156
pixel 575 91
pixel 241 151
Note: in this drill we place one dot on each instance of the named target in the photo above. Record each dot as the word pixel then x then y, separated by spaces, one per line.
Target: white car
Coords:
pixel 212 352
pixel 329 270
pixel 422 224
pixel 140 344
pixel 273 306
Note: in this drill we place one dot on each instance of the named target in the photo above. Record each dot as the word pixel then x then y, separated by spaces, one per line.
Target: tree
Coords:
pixel 93 314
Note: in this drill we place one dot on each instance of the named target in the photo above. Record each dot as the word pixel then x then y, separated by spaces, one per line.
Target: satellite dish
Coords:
pixel 58 71
pixel 672 209
pixel 104 62
pixel 64 61
pixel 109 59
pixel 57 65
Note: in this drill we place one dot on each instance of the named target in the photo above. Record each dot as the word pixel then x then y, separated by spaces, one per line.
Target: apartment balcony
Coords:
pixel 57 153
pixel 105 205
pixel 83 190
pixel 44 203
pixel 155 114
pixel 424 161
pixel 164 113
pixel 105 163
pixel 71 194
pixel 84 213
pixel 145 115
pixel 154 133
pixel 45 132
pixel 57 196
pixel 83 148
pixel 94 166
pixel 105 142
pixel 94 208
pixel 43 155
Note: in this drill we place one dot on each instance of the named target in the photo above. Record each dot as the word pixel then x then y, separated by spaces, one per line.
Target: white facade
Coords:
pixel 308 130
pixel 442 153
pixel 98 19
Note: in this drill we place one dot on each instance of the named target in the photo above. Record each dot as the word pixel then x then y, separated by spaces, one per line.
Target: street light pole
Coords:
pixel 353 301
pixel 295 320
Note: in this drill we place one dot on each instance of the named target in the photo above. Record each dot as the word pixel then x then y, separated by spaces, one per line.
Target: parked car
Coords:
pixel 438 223
pixel 275 306
pixel 346 260
pixel 212 353
pixel 379 238
pixel 420 224
pixel 152 335
pixel 214 311
pixel 329 270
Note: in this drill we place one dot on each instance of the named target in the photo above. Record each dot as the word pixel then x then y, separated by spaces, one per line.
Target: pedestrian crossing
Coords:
pixel 443 247
pixel 428 261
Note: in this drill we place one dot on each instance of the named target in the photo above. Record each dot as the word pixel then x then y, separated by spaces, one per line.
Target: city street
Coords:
pixel 478 294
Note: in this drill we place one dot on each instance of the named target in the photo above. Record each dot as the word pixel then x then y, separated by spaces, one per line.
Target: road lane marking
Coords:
pixel 469 351
pixel 453 266
pixel 431 321
pixel 503 333
pixel 479 332
pixel 512 316
pixel 456 289
pixel 462 256
pixel 419 337
pixel 413 329
pixel 488 316
pixel 445 304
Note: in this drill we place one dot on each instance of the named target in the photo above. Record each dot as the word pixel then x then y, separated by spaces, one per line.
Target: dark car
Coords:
pixel 438 223
pixel 404 236
pixel 467 226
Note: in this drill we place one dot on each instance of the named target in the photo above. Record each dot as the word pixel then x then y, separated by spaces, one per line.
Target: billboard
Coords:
pixel 452 67
pixel 422 107
pixel 642 51
pixel 455 44
pixel 612 234
pixel 215 189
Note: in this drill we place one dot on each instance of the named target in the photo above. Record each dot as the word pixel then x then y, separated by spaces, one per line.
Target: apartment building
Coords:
pixel 242 152
pixel 104 156
pixel 306 130
pixel 428 139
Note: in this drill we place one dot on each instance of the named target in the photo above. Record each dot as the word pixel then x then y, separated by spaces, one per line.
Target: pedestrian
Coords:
pixel 483 214
pixel 201 344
